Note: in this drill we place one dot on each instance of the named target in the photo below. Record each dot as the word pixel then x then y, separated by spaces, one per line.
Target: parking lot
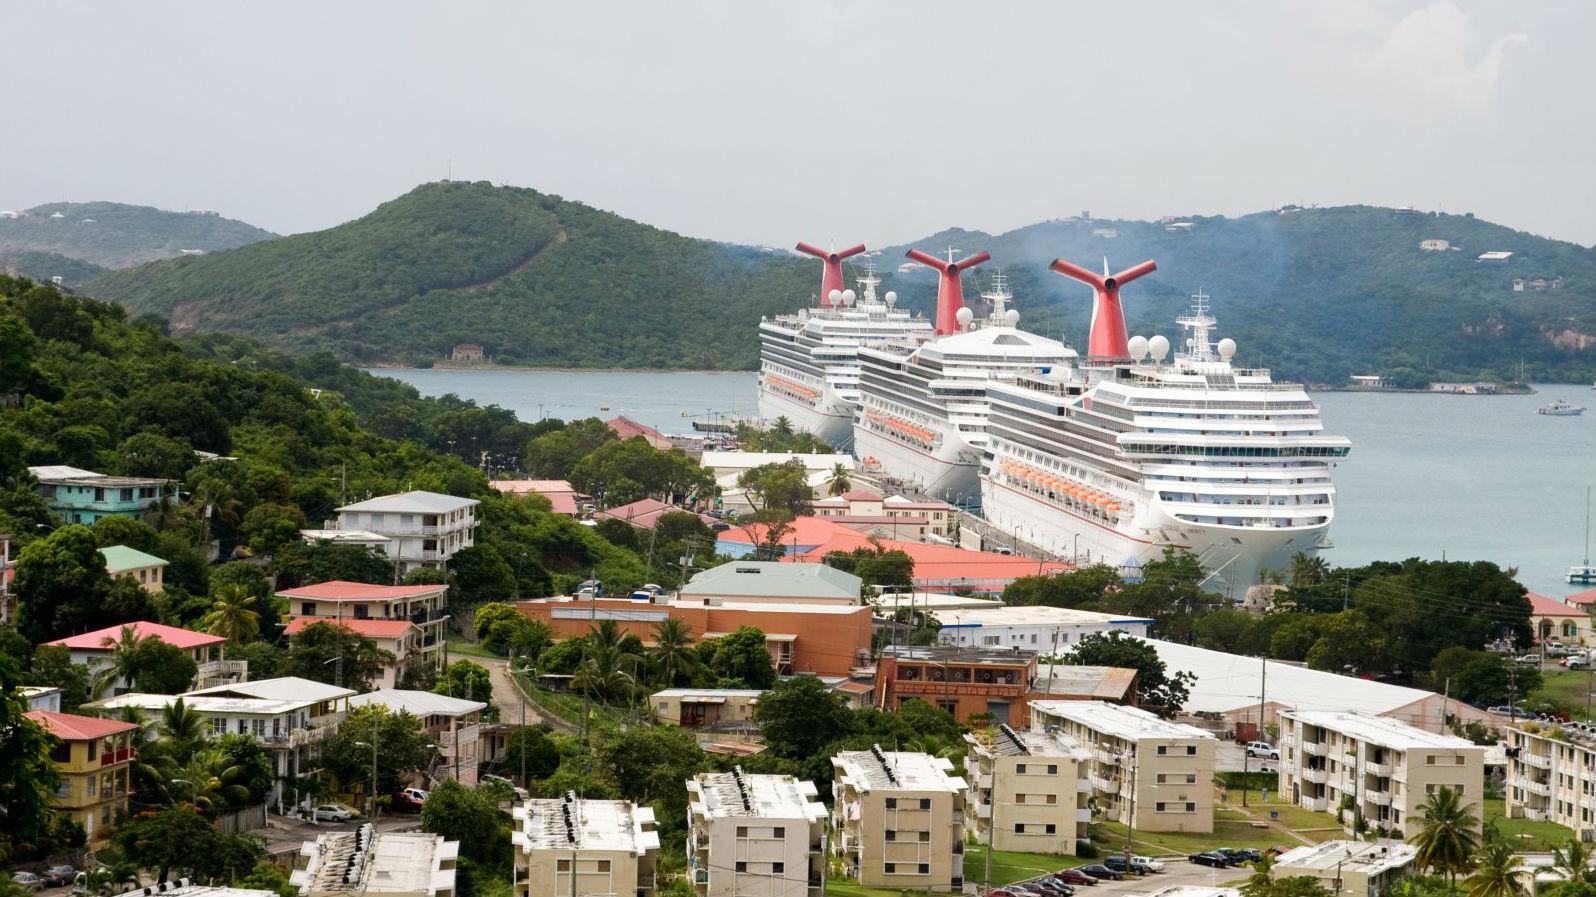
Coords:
pixel 1176 872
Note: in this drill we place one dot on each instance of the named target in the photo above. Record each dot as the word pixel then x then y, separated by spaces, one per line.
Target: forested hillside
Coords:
pixel 1315 294
pixel 116 235
pixel 534 278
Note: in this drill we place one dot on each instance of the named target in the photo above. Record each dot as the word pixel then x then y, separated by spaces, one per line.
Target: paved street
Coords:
pixel 1176 872
pixel 284 834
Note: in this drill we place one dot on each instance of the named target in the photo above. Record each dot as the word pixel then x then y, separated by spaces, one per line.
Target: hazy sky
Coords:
pixel 769 123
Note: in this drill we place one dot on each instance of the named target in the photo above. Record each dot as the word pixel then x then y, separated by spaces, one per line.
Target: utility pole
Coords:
pixel 991 826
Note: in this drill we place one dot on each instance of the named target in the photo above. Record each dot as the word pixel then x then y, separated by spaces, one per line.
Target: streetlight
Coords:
pixel 371 799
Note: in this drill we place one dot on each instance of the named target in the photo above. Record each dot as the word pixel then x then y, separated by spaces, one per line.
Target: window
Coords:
pixel 1019 828
pixel 779 831
pixel 1019 768
pixel 925 803
pixel 778 868
pixel 1051 828
pixel 1158 807
pixel 94 747
pixel 1162 750
pixel 742 866
pixel 307 609
pixel 1458 760
pixel 1019 798
pixel 1052 769
pixel 925 868
pixel 1191 750
pixel 742 831
pixel 891 835
pixel 892 803
pixel 925 837
pixel 1429 760
pixel 890 868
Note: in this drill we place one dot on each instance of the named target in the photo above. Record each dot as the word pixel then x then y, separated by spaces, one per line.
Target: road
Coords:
pixel 284 834
pixel 513 708
pixel 1176 872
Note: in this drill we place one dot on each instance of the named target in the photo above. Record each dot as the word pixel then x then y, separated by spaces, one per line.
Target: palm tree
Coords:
pixel 114 878
pixel 122 662
pixel 1574 862
pixel 1498 871
pixel 1307 569
pixel 211 784
pixel 233 615
pixel 182 729
pixel 782 427
pixel 672 655
pixel 840 483
pixel 1448 837
pixel 600 673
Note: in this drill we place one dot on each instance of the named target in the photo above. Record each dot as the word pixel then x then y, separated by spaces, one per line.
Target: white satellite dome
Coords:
pixel 1011 317
pixel 1227 348
pixel 964 316
pixel 1137 347
pixel 892 297
pixel 848 296
pixel 1158 347
pixel 834 297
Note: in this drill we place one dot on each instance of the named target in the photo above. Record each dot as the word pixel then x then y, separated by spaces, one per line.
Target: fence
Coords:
pixel 248 819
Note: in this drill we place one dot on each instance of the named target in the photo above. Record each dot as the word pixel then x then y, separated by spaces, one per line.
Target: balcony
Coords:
pixel 1084 786
pixel 1313 748
pixel 1544 789
pixel 1105 785
pixel 1316 804
pixel 1380 798
pixel 1539 761
pixel 1378 770
pixel 1315 775
pixel 108 758
pixel 1083 814
pixel 464 735
pixel 1106 756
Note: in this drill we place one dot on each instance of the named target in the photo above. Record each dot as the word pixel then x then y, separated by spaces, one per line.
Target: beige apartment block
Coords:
pixel 567 845
pixel 1385 768
pixel 1149 773
pixel 1551 775
pixel 1350 868
pixel 1030 788
pixel 898 820
pixel 755 835
pixel 366 861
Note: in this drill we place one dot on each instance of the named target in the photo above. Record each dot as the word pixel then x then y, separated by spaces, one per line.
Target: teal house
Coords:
pixel 83 496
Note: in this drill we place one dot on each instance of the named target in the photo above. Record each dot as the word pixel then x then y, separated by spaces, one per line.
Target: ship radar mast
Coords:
pixel 1000 297
pixel 868 281
pixel 1198 322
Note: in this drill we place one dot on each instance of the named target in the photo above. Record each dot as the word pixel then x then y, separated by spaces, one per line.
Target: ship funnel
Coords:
pixel 831 276
pixel 1108 318
pixel 950 292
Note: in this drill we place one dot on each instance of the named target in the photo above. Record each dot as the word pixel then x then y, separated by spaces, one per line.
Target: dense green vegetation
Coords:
pixel 1315 294
pixel 534 278
pixel 116 235
pixel 43 266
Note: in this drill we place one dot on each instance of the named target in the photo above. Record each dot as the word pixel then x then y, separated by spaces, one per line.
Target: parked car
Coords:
pixel 1120 864
pixel 1074 877
pixel 1262 749
pixel 1053 889
pixel 1061 884
pixel 1529 660
pixel 1575 662
pixel 331 813
pixel 406 802
pixel 1237 856
pixel 1098 870
pixel 1210 858
pixel 28 880
pixel 59 876
pixel 1146 865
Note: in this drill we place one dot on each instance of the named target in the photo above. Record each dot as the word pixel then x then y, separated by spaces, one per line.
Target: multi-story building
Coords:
pixel 290 717
pixel 94 649
pixel 424 529
pixel 752 582
pixel 341 601
pixel 1386 767
pixel 1551 776
pixel 569 845
pixel 83 496
pixel 897 820
pixel 966 682
pixel 706 708
pixel 365 861
pixel 455 723
pixel 1048 630
pixel 824 639
pixel 1349 868
pixel 1148 773
pixel 93 758
pixel 1031 788
pixel 401 640
pixel 147 569
pixel 755 834
pixel 930 518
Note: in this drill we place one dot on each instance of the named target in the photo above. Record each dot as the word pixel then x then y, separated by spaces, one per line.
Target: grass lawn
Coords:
pixel 1010 866
pixel 1234 826
pixel 1526 834
pixel 1565 688
pixel 469 649
pixel 847 887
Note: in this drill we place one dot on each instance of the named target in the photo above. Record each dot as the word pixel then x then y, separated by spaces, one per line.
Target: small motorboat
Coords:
pixel 1561 408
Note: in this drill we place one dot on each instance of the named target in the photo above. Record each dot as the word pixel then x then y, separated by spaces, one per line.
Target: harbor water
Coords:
pixel 1431 476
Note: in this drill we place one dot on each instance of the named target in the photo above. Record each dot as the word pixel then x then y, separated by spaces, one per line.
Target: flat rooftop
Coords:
pixel 1103 683
pixel 878 770
pixel 686 694
pixel 1129 723
pixel 1033 615
pixel 1009 742
pixel 959 654
pixel 723 794
pixel 569 823
pixel 368 862
pixel 1381 730
pixel 1363 856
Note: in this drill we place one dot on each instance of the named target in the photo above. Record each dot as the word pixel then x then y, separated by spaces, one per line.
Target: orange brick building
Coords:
pixel 827 640
pixel 966 681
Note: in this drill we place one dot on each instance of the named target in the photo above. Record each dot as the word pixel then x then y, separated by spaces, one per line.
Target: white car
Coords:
pixel 1145 865
pixel 1262 749
pixel 331 813
pixel 1529 660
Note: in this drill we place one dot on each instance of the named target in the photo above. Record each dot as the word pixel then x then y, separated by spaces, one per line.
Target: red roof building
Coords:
pixel 106 639
pixel 1555 621
pixel 94 759
pixel 357 604
pixel 645 513
pixel 71 727
pixel 626 428
pixel 560 493
pixel 1581 599
pixel 401 638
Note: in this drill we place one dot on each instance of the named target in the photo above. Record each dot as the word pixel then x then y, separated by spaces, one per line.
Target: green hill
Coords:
pixel 115 235
pixel 534 278
pixel 45 266
pixel 1316 294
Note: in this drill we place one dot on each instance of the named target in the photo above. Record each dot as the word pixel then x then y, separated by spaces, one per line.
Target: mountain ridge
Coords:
pixel 539 280
pixel 120 235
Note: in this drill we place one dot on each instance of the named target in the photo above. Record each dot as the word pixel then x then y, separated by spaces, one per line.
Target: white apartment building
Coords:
pixel 1551 775
pixel 289 716
pixel 1046 630
pixel 1148 773
pixel 350 603
pixel 455 723
pixel 1387 768
pixel 755 835
pixel 572 846
pixel 365 861
pixel 898 820
pixel 424 529
pixel 1030 788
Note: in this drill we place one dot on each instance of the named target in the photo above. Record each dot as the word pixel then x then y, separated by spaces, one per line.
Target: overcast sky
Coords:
pixel 769 123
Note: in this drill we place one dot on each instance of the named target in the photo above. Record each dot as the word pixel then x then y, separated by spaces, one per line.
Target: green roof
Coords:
pixel 120 559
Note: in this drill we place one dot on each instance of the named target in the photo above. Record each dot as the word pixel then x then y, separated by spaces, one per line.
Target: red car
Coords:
pixel 1074 877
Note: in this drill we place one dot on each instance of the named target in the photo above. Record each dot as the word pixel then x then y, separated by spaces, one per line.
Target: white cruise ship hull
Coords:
pixel 949 470
pixel 1232 555
pixel 827 414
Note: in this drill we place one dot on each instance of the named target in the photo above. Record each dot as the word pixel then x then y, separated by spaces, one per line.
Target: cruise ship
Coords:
pixel 1128 454
pixel 809 370
pixel 923 409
